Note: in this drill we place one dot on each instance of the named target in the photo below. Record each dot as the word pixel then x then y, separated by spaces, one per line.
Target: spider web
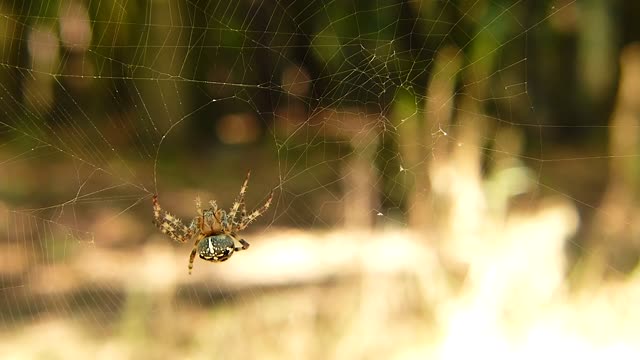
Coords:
pixel 401 122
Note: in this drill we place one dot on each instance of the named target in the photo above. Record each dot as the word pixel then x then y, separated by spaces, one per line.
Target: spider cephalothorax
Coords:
pixel 215 230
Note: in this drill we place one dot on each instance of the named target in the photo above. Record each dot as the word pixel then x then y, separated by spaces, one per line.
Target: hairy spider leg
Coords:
pixel 243 214
pixel 255 214
pixel 237 204
pixel 198 205
pixel 243 242
pixel 170 224
pixel 235 224
pixel 214 205
pixel 214 212
pixel 224 218
pixel 192 256
pixel 199 220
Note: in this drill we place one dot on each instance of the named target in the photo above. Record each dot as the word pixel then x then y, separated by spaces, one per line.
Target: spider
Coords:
pixel 215 231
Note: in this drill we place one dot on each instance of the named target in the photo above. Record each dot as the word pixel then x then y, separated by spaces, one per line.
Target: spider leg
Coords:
pixel 243 214
pixel 192 256
pixel 198 206
pixel 243 211
pixel 224 221
pixel 171 225
pixel 199 219
pixel 244 244
pixel 237 204
pixel 214 205
pixel 255 214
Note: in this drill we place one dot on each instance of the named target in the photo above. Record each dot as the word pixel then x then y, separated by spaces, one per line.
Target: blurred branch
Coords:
pixel 616 233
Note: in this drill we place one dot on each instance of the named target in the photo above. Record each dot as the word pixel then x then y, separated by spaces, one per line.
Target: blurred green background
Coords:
pixel 453 178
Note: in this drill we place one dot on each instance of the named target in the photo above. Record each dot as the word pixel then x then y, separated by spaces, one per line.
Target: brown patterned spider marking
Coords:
pixel 215 230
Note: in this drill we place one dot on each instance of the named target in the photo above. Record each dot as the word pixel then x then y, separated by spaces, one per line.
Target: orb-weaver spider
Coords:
pixel 214 229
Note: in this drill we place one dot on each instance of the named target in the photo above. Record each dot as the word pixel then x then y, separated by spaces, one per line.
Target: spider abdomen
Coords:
pixel 216 248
